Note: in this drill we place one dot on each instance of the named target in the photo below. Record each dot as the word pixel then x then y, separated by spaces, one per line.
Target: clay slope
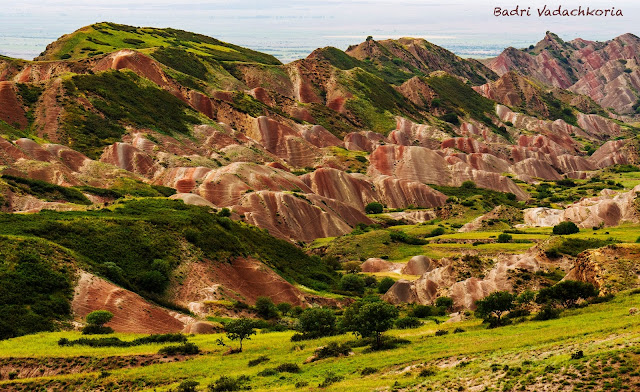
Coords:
pixel 604 71
pixel 131 313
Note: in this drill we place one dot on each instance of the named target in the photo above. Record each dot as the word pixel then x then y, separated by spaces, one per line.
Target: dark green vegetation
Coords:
pixel 567 293
pixel 574 246
pixel 486 198
pixel 36 286
pixel 117 342
pixel 565 228
pixel 46 191
pixel 120 98
pixel 151 235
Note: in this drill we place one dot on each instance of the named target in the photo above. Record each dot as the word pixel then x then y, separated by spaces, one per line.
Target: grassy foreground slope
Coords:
pixel 531 355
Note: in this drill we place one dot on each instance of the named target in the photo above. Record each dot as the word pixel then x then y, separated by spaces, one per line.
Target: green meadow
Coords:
pixel 521 356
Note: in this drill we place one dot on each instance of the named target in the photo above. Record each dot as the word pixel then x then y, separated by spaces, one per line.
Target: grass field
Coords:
pixel 528 355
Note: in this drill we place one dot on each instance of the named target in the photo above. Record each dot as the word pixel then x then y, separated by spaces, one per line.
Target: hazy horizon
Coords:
pixel 292 30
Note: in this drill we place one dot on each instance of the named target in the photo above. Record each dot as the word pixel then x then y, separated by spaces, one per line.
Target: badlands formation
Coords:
pixel 301 149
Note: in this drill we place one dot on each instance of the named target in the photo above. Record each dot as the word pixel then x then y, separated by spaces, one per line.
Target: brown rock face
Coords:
pixel 418 265
pixel 338 185
pixel 284 142
pixel 427 166
pixel 377 265
pixel 227 185
pixel 300 217
pixel 11 110
pixel 604 71
pixel 129 158
pixel 611 153
pixel 241 279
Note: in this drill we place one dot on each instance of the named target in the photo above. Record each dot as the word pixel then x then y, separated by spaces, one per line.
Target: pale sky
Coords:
pixel 292 29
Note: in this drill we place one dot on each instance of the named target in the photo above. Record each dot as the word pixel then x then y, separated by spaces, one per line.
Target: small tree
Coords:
pixel 370 318
pixel 353 283
pixel 96 321
pixel 495 305
pixel 266 308
pixel 317 322
pixel 99 317
pixel 444 302
pixel 565 228
pixel 240 329
pixel 468 185
pixel 352 267
pixel 504 238
pixel 374 208
pixel 284 308
pixel 385 284
pixel 567 293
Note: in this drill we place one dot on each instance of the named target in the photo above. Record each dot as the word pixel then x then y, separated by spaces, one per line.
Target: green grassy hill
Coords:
pixel 108 37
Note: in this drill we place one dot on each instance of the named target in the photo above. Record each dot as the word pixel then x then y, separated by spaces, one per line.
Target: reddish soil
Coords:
pixel 132 313
pixel 11 110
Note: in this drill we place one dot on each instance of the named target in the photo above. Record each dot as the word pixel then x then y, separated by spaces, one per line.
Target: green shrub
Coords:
pixel 401 236
pixel 565 228
pixel 374 208
pixel 182 349
pixel 444 302
pixel 258 361
pixel 229 384
pixel 385 284
pixel 266 308
pixel 352 283
pixel 96 330
pixel 368 371
pixel 188 386
pixel 333 349
pixel 436 232
pixel 468 185
pixel 288 368
pixel 547 313
pixel 408 322
pixel 441 332
pixel 330 379
pixel 504 238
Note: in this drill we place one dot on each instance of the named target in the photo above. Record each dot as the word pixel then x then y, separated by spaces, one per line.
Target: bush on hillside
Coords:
pixel 565 228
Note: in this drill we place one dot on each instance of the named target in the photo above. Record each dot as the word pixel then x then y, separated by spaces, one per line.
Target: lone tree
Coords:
pixel 352 283
pixel 370 318
pixel 240 329
pixel 96 321
pixel 567 293
pixel 564 228
pixel 317 322
pixel 495 305
pixel 374 208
